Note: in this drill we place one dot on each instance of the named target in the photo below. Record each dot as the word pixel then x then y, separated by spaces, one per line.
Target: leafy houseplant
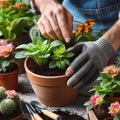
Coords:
pixel 8 65
pixel 107 94
pixel 9 105
pixel 45 66
pixel 15 18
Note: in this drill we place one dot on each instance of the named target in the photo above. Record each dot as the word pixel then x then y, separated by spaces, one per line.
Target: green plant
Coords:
pixel 16 18
pixel 8 104
pixel 7 56
pixel 109 82
pixel 44 51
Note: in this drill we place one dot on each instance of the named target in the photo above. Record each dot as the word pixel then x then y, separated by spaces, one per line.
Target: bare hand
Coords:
pixel 56 22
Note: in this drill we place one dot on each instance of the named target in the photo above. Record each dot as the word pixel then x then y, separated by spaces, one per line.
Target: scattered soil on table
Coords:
pixel 9 117
pixel 24 89
pixel 66 115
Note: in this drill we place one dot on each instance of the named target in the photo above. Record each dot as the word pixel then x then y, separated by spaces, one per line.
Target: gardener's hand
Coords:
pixel 91 58
pixel 55 22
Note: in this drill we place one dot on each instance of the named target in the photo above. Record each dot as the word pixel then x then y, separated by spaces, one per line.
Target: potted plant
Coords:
pixel 9 69
pixel 106 101
pixel 9 105
pixel 16 18
pixel 45 65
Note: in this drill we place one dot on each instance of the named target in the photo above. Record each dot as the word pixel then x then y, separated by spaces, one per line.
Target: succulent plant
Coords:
pixel 2 93
pixel 7 106
pixel 9 100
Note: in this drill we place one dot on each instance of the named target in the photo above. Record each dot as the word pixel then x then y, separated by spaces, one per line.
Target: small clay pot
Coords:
pixel 109 118
pixel 10 80
pixel 113 99
pixel 19 117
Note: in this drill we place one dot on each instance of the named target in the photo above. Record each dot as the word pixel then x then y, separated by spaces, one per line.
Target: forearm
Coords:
pixel 42 4
pixel 113 35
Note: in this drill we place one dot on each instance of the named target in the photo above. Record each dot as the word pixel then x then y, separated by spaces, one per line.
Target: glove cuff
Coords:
pixel 106 46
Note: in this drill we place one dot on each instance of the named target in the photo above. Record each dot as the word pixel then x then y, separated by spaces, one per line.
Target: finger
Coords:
pixel 74 79
pixel 86 78
pixel 48 30
pixel 55 26
pixel 62 21
pixel 42 29
pixel 77 63
pixel 70 22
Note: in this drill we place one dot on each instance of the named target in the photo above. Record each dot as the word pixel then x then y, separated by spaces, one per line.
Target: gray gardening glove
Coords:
pixel 91 58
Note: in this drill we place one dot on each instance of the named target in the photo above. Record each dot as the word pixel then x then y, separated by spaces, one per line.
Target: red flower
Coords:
pixel 96 100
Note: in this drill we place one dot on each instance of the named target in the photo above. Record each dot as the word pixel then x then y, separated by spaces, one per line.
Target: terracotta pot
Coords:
pixel 113 99
pixel 109 118
pixel 19 117
pixel 10 80
pixel 18 41
pixel 51 90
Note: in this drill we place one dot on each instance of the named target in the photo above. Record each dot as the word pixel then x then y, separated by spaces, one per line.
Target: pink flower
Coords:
pixel 5 49
pixel 10 93
pixel 114 108
pixel 96 100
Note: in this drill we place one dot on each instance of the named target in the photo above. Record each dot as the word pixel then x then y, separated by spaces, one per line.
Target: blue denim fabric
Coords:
pixel 104 12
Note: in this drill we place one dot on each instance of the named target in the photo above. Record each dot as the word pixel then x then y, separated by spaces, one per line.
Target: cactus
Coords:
pixel 2 93
pixel 9 100
pixel 16 99
pixel 7 106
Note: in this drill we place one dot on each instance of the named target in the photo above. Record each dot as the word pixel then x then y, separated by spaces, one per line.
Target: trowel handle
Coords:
pixel 51 114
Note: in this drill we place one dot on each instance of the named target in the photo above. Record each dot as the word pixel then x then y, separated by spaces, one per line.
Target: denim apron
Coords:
pixel 105 14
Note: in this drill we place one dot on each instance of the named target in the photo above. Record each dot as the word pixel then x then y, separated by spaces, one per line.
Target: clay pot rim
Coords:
pixel 25 65
pixel 18 117
pixel 17 69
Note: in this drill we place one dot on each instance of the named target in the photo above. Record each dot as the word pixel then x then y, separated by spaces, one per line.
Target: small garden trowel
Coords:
pixel 39 108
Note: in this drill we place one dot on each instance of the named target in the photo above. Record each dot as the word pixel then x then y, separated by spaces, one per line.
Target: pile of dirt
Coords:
pixel 66 115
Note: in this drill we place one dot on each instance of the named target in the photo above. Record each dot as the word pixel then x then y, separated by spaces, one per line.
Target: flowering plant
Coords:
pixel 15 18
pixel 84 32
pixel 9 101
pixel 109 86
pixel 7 56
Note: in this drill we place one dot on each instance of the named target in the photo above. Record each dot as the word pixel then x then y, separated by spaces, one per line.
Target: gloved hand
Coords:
pixel 91 58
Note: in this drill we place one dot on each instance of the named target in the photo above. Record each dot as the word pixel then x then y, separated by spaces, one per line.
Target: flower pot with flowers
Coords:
pixel 9 105
pixel 9 69
pixel 16 18
pixel 106 101
pixel 45 65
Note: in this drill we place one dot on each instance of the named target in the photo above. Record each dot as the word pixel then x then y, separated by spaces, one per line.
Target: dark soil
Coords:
pixel 66 115
pixel 44 70
pixel 101 113
pixel 8 117
pixel 12 67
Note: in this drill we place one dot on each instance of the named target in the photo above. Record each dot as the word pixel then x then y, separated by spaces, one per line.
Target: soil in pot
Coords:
pixel 66 115
pixel 9 117
pixel 101 113
pixel 44 70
